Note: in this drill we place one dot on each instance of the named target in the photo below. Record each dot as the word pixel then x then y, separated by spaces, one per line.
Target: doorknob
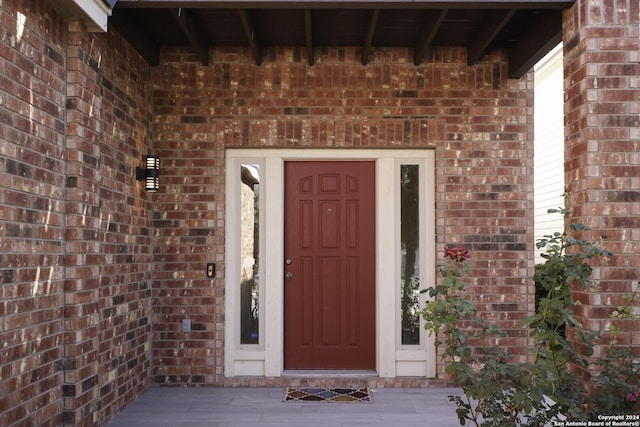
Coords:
pixel 288 275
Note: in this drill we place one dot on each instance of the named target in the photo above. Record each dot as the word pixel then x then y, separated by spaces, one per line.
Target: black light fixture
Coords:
pixel 150 174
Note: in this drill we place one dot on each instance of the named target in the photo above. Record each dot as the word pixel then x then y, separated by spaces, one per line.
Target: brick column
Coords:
pixel 602 148
pixel 107 328
pixel 81 314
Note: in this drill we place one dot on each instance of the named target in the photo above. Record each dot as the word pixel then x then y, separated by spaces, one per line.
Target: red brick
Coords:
pixel 100 231
pixel 600 197
pixel 315 116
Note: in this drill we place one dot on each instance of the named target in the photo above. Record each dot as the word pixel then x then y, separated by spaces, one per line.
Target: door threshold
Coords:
pixel 328 373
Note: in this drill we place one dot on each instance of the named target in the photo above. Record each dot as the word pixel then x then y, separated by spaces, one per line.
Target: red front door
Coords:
pixel 329 289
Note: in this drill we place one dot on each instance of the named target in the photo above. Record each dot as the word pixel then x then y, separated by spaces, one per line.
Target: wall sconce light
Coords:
pixel 150 174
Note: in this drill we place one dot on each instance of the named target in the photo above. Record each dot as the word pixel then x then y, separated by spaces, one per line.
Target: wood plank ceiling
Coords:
pixel 527 29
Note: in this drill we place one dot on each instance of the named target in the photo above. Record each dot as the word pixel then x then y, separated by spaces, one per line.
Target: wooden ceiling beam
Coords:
pixel 308 36
pixel 186 28
pixel 366 48
pixel 541 37
pixel 350 4
pixel 483 38
pixel 428 33
pixel 250 33
pixel 190 28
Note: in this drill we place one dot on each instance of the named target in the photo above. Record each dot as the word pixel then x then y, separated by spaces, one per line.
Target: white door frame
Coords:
pixel 266 358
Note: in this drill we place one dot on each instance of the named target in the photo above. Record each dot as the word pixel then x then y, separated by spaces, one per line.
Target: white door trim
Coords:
pixel 266 359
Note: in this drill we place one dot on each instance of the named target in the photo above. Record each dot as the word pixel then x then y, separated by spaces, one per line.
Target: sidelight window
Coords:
pixel 249 253
pixel 410 259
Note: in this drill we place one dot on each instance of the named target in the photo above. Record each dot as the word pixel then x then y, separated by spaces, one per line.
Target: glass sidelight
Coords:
pixel 249 253
pixel 410 259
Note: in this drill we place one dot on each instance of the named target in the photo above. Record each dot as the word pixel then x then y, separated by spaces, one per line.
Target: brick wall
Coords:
pixel 478 121
pixel 75 263
pixel 32 185
pixel 602 148
pixel 79 337
pixel 108 242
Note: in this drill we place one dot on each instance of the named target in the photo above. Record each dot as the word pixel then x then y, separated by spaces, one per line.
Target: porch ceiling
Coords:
pixel 527 29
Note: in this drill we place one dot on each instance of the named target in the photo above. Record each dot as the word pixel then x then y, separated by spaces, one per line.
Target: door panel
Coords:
pixel 329 309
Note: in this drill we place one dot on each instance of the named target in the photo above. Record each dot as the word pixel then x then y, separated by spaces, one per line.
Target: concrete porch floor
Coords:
pixel 264 407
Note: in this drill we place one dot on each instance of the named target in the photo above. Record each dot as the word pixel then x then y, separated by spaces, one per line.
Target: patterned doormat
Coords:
pixel 341 395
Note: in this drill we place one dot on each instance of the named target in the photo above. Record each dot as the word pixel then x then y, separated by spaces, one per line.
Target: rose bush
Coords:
pixel 500 392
